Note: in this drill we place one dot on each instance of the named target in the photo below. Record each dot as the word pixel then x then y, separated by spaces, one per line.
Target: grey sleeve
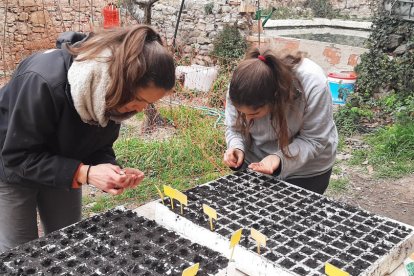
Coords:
pixel 314 134
pixel 234 139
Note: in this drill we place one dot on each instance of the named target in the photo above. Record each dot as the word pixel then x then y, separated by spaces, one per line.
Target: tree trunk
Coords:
pixel 153 118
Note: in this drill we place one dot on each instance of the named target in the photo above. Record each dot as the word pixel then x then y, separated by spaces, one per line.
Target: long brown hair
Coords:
pixel 138 59
pixel 272 82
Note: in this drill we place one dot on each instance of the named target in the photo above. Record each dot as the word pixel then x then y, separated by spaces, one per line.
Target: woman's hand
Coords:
pixel 110 178
pixel 233 157
pixel 268 165
pixel 136 176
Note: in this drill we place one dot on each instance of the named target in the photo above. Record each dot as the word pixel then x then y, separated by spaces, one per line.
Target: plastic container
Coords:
pixel 197 77
pixel 110 16
pixel 341 85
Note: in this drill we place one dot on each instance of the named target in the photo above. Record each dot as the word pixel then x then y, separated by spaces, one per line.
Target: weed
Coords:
pixel 217 95
pixel 391 151
pixel 338 185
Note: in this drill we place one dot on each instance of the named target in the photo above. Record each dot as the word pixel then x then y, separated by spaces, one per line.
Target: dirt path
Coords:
pixel 390 198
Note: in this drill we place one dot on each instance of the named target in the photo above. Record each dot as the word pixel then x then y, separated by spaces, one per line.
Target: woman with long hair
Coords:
pixel 279 119
pixel 61 114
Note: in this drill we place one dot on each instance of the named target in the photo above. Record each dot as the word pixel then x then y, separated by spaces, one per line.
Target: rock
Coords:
pixel 403 48
pixel 341 156
pixel 27 3
pixel 394 40
pixel 91 205
pixel 24 16
pixel 39 18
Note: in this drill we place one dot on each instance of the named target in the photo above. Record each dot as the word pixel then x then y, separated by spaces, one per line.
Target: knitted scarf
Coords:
pixel 89 80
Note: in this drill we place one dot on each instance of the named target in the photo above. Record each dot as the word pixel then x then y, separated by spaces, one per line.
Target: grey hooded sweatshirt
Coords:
pixel 312 131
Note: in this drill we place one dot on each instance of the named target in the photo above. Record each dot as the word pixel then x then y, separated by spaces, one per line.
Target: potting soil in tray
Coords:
pixel 304 229
pixel 117 242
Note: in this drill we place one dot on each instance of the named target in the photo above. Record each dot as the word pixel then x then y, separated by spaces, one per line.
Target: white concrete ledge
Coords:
pixel 315 22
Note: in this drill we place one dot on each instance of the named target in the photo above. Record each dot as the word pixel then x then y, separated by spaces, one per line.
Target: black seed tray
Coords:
pixel 117 242
pixel 305 230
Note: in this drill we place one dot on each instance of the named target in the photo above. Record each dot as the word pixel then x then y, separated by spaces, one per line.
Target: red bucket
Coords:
pixel 110 16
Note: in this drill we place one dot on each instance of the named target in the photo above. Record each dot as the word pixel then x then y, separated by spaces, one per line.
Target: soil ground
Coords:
pixel 392 198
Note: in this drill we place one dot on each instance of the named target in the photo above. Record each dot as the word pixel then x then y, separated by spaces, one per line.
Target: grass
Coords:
pixel 391 152
pixel 192 156
pixel 338 185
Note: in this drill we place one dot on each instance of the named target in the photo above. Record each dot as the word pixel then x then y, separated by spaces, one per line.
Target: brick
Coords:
pixel 332 55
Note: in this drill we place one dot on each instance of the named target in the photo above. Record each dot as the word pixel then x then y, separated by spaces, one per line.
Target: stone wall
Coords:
pixel 200 22
pixel 30 25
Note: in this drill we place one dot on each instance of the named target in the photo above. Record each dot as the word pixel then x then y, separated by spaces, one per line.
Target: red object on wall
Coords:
pixel 110 16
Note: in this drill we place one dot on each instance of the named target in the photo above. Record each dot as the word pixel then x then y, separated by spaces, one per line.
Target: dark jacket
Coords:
pixel 42 138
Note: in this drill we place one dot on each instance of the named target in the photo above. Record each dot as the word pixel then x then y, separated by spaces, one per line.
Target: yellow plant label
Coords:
pixel 171 193
pixel 182 198
pixel 332 270
pixel 211 213
pixel 160 194
pixel 259 237
pixel 235 238
pixel 175 194
pixel 192 270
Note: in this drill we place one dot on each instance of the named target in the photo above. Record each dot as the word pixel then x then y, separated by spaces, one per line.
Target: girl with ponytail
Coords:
pixel 279 119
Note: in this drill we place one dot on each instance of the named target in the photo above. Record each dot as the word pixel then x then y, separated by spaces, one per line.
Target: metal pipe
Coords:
pixel 178 22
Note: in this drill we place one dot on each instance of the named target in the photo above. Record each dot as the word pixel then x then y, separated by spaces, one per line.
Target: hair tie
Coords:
pixel 262 58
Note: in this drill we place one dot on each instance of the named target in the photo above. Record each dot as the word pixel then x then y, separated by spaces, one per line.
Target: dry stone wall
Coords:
pixel 29 25
pixel 200 23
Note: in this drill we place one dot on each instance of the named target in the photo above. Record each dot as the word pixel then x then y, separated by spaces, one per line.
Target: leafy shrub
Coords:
pixel 229 44
pixel 289 13
pixel 347 119
pixel 321 8
pixel 377 70
pixel 405 112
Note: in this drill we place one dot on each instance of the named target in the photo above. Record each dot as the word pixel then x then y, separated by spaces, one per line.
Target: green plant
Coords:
pixel 321 8
pixel 391 151
pixel 378 71
pixel 338 185
pixel 347 118
pixel 289 13
pixel 208 8
pixel 229 45
pixel 217 95
pixel 405 112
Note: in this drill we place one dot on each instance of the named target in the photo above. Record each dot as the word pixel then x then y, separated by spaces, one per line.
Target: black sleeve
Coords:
pixel 34 113
pixel 104 155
